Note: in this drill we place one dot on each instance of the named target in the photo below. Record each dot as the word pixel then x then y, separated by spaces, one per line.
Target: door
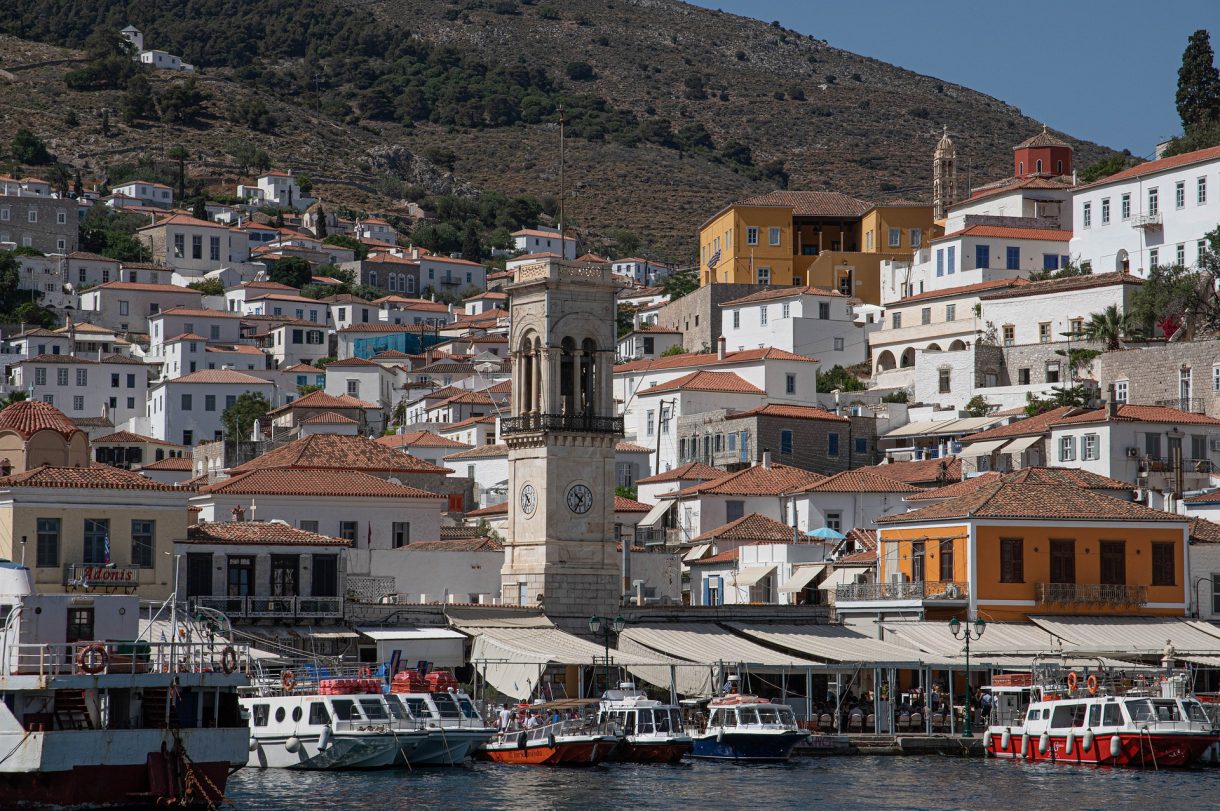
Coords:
pixel 80 625
pixel 325 576
pixel 1113 563
pixel 199 574
pixel 1063 561
pixel 241 576
pixel 917 562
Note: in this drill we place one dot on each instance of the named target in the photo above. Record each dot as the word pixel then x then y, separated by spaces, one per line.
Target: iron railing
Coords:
pixel 1161 464
pixel 274 607
pixel 589 423
pixel 1091 593
pixel 911 590
pixel 137 656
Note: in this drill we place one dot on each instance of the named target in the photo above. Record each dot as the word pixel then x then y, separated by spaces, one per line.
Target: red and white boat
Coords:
pixel 572 742
pixel 652 731
pixel 1099 717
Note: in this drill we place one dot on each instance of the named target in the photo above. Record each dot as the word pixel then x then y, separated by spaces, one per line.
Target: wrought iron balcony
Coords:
pixel 916 590
pixel 1161 464
pixel 533 422
pixel 1091 594
pixel 265 607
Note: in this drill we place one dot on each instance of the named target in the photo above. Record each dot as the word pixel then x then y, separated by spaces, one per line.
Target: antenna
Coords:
pixel 563 245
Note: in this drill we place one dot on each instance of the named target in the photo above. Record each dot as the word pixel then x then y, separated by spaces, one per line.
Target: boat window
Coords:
pixel 374 709
pixel 664 720
pixel 643 722
pixel 396 708
pixel 1034 715
pixel 418 707
pixel 318 714
pixel 261 713
pixel 1112 716
pixel 747 715
pixel 467 707
pixel 296 714
pixel 768 715
pixel 1068 715
pixel 787 717
pixel 446 706
pixel 345 709
pixel 1094 715
pixel 1166 709
pixel 1046 713
pixel 724 718
pixel 1140 710
pixel 279 713
pixel 1194 712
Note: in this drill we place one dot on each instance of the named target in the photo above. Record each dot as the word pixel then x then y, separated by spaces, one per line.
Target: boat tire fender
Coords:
pixel 550 740
pixel 1069 745
pixel 1116 747
pixel 324 738
pixel 1025 746
pixel 1044 743
pixel 228 659
pixel 1006 739
pixel 293 744
pixel 1087 743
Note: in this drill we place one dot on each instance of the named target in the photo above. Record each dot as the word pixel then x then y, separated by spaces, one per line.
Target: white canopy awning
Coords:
pixel 697 553
pixel 982 448
pixel 750 575
pixel 801 577
pixel 840 577
pixel 440 646
pixel 655 514
pixel 1021 443
pixel 836 644
pixel 1142 636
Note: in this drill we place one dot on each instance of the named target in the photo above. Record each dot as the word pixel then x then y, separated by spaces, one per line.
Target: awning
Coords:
pixel 656 513
pixel 697 553
pixel 836 644
pixel 1142 636
pixel 982 448
pixel 1021 443
pixel 801 577
pixel 839 577
pixel 706 643
pixel 752 574
pixel 440 646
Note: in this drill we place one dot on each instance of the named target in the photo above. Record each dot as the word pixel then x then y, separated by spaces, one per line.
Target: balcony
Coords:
pixel 1069 594
pixel 265 607
pixel 917 591
pixel 1162 464
pixel 587 423
pixel 1194 405
pixel 1146 220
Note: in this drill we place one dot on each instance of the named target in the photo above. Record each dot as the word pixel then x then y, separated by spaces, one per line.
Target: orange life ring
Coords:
pixel 1092 684
pixel 288 680
pixel 1073 680
pixel 228 659
pixel 93 659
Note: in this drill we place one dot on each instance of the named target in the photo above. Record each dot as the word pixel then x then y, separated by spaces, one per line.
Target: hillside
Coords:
pixel 672 109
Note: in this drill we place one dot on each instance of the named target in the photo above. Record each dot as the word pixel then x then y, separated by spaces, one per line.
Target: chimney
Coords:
pixel 1111 404
pixel 720 348
pixel 766 460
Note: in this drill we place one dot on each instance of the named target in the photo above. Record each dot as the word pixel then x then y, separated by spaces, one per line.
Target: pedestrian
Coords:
pixel 506 718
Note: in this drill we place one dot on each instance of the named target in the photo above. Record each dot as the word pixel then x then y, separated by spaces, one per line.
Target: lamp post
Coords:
pixel 600 626
pixel 965 633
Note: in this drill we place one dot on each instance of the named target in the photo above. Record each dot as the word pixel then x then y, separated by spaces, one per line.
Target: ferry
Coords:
pixel 747 728
pixel 446 713
pixel 1146 721
pixel 652 731
pixel 572 741
pixel 93 717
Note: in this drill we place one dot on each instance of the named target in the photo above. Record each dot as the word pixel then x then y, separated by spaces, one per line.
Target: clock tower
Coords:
pixel 559 551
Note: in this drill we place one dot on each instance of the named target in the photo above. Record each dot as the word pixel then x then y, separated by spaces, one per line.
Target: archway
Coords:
pixel 908 358
pixel 885 361
pixel 957 346
pixel 1122 262
pixel 932 348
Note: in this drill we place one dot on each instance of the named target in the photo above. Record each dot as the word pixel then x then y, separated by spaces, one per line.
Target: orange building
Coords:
pixel 1011 549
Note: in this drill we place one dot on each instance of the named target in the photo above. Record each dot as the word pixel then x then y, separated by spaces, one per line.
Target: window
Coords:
pixel 773 235
pixel 1067 449
pixel 940 261
pixel 839 343
pixel 97 541
pixel 824 310
pixel 1009 333
pixel 188 438
pixel 1105 211
pixel 737 319
pixel 762 315
pixel 325 576
pixel 764 275
pixel 1201 191
pixel 1012 258
pixel 650 421
pixel 1012 560
pixel 785 443
pixel 1152 445
pixel 1179 194
pixel 1113 561
pixel 832 443
pixel 1052 371
pixel 78 402
pixel 199 574
pixel 1120 390
pixel 896 320
pixel 982 256
pixel 895 237
pixel 790 383
pixel 1216 378
pixel 916 237
pixel 32 216
pixel 40 376
pixel 1023 376
pixel 734 509
pixel 951 260
pixel 186 402
pixel 47 554
pixel 1063 561
pixel 1201 250
pixel 214 248
pixel 82 377
pixel 401 533
pixel 348 530
pixel 925 315
pixel 751 235
pixel 1154 202
pixel 1154 257
pixel 353 388
pixel 61 376
pixel 1090 447
pixel 80 624
pixel 142 534
pixel 131 381
pixel 946 562
pixel 285 575
pixel 1086 215
pixel 196 246
pixel 309 526
pixel 209 402
pixel 1164 567
pixel 944 378
pixel 950 312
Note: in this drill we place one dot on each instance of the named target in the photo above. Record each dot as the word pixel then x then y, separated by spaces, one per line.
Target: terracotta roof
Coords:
pixel 480 544
pixel 791 412
pixel 1010 232
pixel 489 510
pixel 1071 477
pixel 336 452
pixel 723 557
pixel 320 399
pixel 266 285
pixel 966 289
pixel 271 533
pixel 128 438
pixel 465 398
pixel 1071 283
pixel 654 329
pixel 709 359
pixel 146 287
pixel 1013 183
pixel 782 293
pixel 481 452
pixel 99 477
pixel 1044 138
pixel 749 529
pixel 1034 502
pixel 419 439
pixel 630 447
pixel 313 482
pixel 390 354
pixel 757 481
pixel 328 418
pixel 536 232
pixel 1211 497
pixel 702 380
pixel 692 471
pixel 866 539
pixel 811 203
pixel 861 480
pixel 922 471
pixel 387 328
pixel 957 488
pixel 220 376
pixel 622 504
pixel 185 219
pixel 1204 531
pixel 1142 413
pixel 485 420
pixel 196 312
pixel 1162 165
pixel 28 417
pixel 171 463
pixel 1029 426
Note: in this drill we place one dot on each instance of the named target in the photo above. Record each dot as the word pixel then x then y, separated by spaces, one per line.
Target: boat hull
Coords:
pixel 1136 750
pixel 369 751
pixel 746 746
pixel 159 782
pixel 588 752
pixel 448 747
pixel 652 752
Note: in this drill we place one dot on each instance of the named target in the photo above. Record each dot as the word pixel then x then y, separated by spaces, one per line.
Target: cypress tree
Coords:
pixel 1198 83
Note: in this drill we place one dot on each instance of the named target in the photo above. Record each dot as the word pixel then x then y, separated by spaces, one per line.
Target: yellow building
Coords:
pixel 1011 548
pixel 824 239
pixel 99 529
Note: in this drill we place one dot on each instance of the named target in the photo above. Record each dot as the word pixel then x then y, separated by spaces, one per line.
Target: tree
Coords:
pixel 679 283
pixel 580 72
pixel 673 350
pixel 137 100
pixel 28 148
pixel 15 396
pixel 1108 166
pixel 839 378
pixel 34 315
pixel 1078 396
pixel 178 153
pixel 112 232
pixel 1175 295
pixel 292 271
pixel 199 208
pixel 978 406
pixel 238 419
pixel 1107 327
pixel 1198 96
pixel 472 248
pixel 209 287
pixel 320 229
pixel 182 102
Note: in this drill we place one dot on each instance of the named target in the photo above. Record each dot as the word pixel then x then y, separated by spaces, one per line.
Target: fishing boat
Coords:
pixel 652 731
pixel 324 720
pixel 441 709
pixel 580 741
pixel 91 716
pixel 746 728
pixel 1147 720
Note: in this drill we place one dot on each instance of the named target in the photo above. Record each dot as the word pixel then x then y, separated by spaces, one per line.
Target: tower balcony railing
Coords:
pixel 534 421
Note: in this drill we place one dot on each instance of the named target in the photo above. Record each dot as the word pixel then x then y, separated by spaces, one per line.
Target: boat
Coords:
pixel 746 728
pixel 580 741
pixel 327 720
pixel 91 716
pixel 1147 720
pixel 652 731
pixel 445 712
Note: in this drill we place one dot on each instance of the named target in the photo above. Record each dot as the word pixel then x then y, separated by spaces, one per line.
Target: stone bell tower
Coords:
pixel 944 177
pixel 559 550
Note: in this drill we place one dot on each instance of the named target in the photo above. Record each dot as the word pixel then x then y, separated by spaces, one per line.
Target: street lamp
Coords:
pixel 599 626
pixel 965 633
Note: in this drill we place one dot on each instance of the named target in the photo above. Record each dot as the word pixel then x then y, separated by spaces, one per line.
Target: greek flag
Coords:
pixel 106 549
pixel 714 259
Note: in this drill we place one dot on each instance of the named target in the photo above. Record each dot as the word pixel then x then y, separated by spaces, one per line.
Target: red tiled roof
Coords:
pixel 792 412
pixel 782 293
pixel 811 203
pixel 489 510
pixel 271 533
pixel 1071 283
pixel 220 376
pixel 464 398
pixel 328 418
pixel 702 380
pixel 692 471
pixel 196 312
pixel 1162 165
pixel 1071 477
pixel 1142 413
pixel 723 557
pixel 496 451
pixel 1013 183
pixel 313 482
pixel 1029 426
pixel 622 504
pixel 965 290
pixel 1211 497
pixel 750 529
pixel 481 544
pixel 757 481
pixel 170 463
pixel 129 438
pixel 336 452
pixel 1204 531
pixel 420 439
pixel 1009 232
pixel 630 447
pixel 1034 502
pixel 709 359
pixel 861 480
pixel 100 477
pixel 185 219
pixel 957 488
pixel 28 417
pixel 147 287
pixel 320 399
pixel 922 471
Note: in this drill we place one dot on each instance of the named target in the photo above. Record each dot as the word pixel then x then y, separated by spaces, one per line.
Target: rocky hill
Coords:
pixel 672 109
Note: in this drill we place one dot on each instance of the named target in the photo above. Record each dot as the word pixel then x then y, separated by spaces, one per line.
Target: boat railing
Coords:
pixel 124 657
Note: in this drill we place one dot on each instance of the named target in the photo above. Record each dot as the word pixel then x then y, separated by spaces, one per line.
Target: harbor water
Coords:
pixel 825 783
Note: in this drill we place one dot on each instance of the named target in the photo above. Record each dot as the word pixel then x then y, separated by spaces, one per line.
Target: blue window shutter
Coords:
pixel 707 590
pixel 951 262
pixel 1014 258
pixel 1063 261
pixel 1050 261
pixel 719 590
pixel 940 261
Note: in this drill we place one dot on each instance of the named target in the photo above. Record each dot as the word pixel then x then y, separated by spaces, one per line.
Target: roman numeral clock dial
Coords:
pixel 580 499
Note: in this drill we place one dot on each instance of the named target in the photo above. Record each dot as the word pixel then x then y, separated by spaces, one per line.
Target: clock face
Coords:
pixel 529 499
pixel 580 499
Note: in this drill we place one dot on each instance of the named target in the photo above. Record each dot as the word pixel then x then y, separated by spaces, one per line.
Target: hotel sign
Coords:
pixel 92 575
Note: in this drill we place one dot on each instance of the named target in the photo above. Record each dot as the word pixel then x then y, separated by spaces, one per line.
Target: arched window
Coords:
pixel 392 279
pixel 588 374
pixel 372 278
pixel 1039 167
pixel 1058 167
pixel 1020 167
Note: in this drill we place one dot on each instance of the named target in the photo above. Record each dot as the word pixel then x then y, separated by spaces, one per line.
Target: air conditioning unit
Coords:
pixel 1133 453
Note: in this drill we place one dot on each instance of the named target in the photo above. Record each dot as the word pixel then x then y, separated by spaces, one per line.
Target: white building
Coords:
pixel 362 379
pixel 544 240
pixel 641 271
pixel 126 306
pixel 444 274
pixel 1048 311
pixel 188 409
pixel 156 194
pixel 1156 213
pixel 661 406
pixel 115 386
pixel 647 342
pixel 487 467
pixel 849 500
pixel 210 325
pixel 807 321
pixel 296 342
pixel 279 189
pixel 192 247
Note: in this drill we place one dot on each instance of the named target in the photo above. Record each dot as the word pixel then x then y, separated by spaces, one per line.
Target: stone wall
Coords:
pixel 697 314
pixel 1153 372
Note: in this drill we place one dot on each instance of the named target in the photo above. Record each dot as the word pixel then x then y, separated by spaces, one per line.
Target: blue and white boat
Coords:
pixel 747 728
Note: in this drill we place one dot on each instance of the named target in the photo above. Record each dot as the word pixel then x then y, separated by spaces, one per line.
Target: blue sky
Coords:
pixel 1103 70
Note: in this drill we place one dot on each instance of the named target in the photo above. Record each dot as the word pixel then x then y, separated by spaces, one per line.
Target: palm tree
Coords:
pixel 1108 326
